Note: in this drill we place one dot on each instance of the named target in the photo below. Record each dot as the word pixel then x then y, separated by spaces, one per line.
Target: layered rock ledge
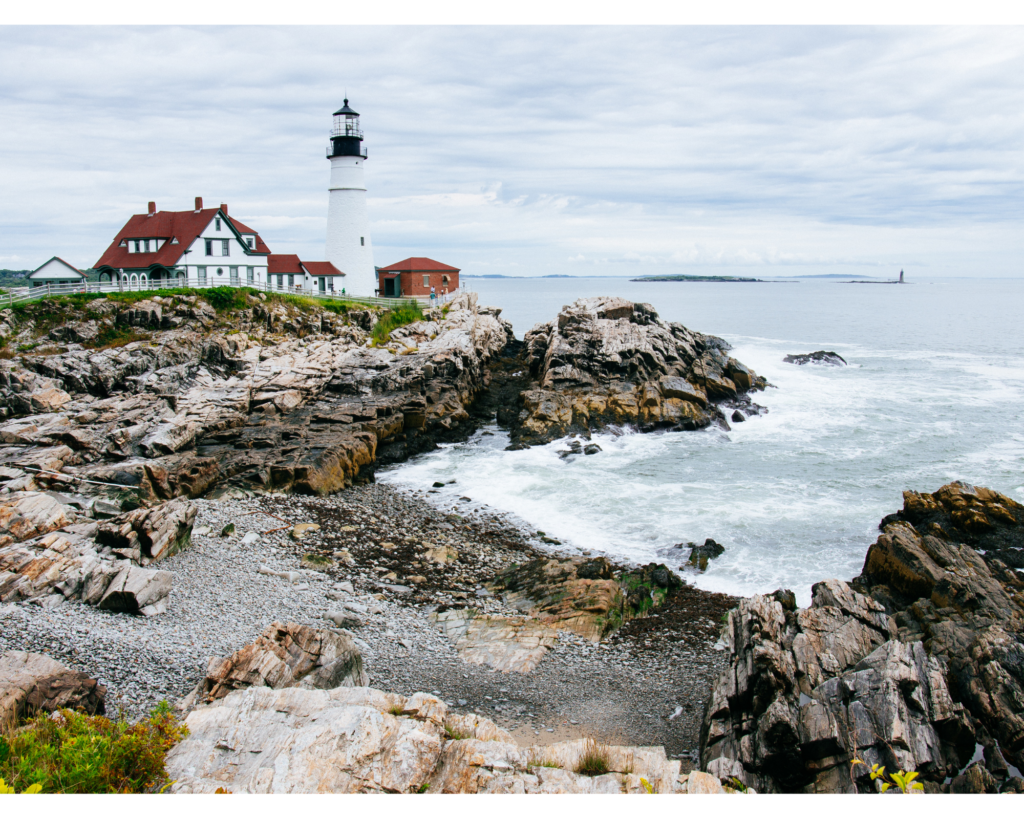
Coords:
pixel 274 396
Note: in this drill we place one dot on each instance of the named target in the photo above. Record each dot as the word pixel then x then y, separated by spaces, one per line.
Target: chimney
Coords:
pixel 224 208
pixel 152 208
pixel 199 203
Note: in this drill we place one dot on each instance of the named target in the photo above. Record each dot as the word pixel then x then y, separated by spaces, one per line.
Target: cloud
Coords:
pixel 540 148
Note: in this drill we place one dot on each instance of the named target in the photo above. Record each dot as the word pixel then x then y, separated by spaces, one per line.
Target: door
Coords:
pixel 389 287
pixel 202 276
pixel 323 284
pixel 234 277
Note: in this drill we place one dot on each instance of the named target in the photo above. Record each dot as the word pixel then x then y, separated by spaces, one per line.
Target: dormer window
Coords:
pixel 249 241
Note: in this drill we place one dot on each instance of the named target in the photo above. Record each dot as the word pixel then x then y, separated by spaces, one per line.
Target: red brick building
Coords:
pixel 415 276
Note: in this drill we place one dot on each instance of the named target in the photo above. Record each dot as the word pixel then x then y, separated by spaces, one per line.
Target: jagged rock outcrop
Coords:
pixel 821 357
pixel 277 398
pixel 361 740
pixel 914 664
pixel 30 683
pixel 284 656
pixel 72 561
pixel 607 361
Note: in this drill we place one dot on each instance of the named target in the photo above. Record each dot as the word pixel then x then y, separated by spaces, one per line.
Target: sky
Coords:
pixel 524 151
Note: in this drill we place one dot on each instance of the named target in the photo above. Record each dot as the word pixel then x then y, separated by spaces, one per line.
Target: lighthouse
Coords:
pixel 348 229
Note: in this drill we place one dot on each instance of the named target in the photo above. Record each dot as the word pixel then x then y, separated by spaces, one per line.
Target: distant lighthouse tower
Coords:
pixel 348 229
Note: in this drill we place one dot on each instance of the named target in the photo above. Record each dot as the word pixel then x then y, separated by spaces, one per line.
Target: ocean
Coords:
pixel 932 394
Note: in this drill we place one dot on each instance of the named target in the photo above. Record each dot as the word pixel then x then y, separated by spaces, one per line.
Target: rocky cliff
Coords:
pixel 917 664
pixel 276 394
pixel 608 361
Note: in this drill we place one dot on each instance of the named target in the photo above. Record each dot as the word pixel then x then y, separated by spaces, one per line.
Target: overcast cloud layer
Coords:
pixel 531 151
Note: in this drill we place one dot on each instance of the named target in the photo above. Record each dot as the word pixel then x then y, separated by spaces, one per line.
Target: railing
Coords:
pixel 362 151
pixel 24 294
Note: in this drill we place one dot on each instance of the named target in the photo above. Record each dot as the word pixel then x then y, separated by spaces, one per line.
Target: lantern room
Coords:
pixel 346 136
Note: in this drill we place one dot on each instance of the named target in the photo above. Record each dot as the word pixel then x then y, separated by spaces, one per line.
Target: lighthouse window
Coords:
pixel 362 241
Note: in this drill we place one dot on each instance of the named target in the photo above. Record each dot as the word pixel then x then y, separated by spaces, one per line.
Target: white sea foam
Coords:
pixel 795 496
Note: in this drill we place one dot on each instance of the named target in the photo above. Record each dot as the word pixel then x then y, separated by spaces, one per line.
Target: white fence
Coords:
pixel 23 294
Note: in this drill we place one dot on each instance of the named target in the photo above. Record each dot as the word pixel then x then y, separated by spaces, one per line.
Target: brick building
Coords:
pixel 415 276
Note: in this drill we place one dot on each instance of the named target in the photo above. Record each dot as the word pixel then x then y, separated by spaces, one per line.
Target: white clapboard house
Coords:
pixel 204 247
pixel 55 271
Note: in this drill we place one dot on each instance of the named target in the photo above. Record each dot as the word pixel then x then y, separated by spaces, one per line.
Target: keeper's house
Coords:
pixel 415 276
pixel 55 271
pixel 205 247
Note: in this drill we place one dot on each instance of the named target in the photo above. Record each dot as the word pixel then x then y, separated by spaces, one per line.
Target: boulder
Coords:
pixel 821 357
pixel 285 655
pixel 147 535
pixel 30 683
pixel 137 591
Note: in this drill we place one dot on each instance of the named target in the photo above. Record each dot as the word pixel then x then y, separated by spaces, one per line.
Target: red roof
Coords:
pixel 183 225
pixel 322 269
pixel 418 264
pixel 284 263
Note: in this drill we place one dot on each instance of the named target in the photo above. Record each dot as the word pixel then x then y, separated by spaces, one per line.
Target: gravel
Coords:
pixel 645 686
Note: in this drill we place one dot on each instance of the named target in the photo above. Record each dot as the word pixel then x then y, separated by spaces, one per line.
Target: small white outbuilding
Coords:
pixel 55 271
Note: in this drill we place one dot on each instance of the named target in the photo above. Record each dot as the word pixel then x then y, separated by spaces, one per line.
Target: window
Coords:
pixel 209 247
pixel 426 281
pixel 249 241
pixel 225 247
pixel 220 271
pixel 362 241
pixel 216 223
pixel 138 245
pixel 291 280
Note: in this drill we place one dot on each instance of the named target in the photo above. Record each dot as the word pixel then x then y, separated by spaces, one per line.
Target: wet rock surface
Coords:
pixel 914 665
pixel 607 361
pixel 821 357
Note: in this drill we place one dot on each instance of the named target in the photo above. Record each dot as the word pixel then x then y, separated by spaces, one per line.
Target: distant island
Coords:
pixel 679 277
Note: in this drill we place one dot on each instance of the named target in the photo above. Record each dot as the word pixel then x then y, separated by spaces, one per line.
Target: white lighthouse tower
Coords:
pixel 348 229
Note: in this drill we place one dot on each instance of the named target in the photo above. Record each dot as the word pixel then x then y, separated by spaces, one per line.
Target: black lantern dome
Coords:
pixel 346 135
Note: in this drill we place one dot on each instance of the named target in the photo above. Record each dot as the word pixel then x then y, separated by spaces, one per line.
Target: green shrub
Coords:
pixel 72 752
pixel 226 298
pixel 395 318
pixel 114 335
